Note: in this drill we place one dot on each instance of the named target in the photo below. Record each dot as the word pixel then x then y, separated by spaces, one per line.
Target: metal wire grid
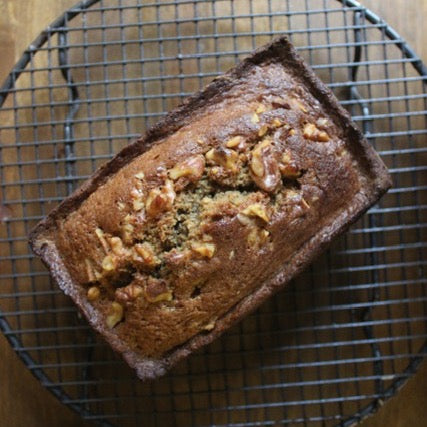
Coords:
pixel 325 351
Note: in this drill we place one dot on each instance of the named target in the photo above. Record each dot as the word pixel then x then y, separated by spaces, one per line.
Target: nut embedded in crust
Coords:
pixel 191 169
pixel 288 167
pixel 257 237
pixel 234 142
pixel 117 245
pixel 137 199
pixel 160 199
pixel 204 249
pixel 209 326
pixel 101 237
pixel 128 293
pixel 93 293
pixel 108 263
pixel 145 252
pixel 264 166
pixel 115 314
pixel 296 103
pixel 257 210
pixel 228 159
pixel 90 271
pixel 312 133
pixel 157 290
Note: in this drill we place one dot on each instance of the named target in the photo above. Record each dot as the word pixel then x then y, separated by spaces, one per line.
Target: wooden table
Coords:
pixel 23 401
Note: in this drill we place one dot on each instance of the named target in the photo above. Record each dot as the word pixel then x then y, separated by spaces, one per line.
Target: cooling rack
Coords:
pixel 331 347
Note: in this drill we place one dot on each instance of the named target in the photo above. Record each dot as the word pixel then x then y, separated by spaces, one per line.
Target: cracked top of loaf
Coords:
pixel 214 209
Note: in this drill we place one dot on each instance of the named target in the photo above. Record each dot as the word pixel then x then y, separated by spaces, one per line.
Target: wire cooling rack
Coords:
pixel 330 348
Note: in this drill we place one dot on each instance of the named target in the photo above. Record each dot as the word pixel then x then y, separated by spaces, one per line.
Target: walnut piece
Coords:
pixel 156 290
pixel 209 326
pixel 93 293
pixel 288 167
pixel 263 130
pixel 312 133
pixel 261 109
pixel 160 199
pixel 255 118
pixel 127 229
pixel 191 168
pixel 264 166
pixel 296 103
pixel 90 271
pixel 204 249
pixel 101 237
pixel 234 142
pixel 176 258
pixel 117 245
pixel 145 252
pixel 257 210
pixel 109 263
pixel 128 293
pixel 115 314
pixel 277 123
pixel 137 199
pixel 257 237
pixel 228 159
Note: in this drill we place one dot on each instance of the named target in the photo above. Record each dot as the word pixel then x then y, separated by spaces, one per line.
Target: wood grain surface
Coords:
pixel 23 401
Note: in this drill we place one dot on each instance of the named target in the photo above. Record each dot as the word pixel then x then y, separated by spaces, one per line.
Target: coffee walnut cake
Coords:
pixel 212 211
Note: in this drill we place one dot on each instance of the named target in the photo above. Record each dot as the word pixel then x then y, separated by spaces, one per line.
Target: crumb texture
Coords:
pixel 182 233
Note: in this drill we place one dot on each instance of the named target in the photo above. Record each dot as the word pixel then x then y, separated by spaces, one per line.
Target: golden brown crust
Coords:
pixel 217 207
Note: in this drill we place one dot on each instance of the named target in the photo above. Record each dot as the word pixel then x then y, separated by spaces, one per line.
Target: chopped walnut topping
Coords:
pixel 207 238
pixel 157 290
pixel 140 175
pixel 231 255
pixel 127 229
pixel 263 130
pixel 224 157
pixel 304 203
pixel 256 210
pixel 209 326
pixel 137 199
pixel 257 237
pixel 278 102
pixel 93 293
pixel 204 249
pixel 146 253
pixel 90 271
pixel 264 166
pixel 121 206
pixel 234 142
pixel 117 245
pixel 322 122
pixel 288 167
pixel 255 118
pixel 312 133
pixel 101 236
pixel 296 103
pixel 261 109
pixel 191 168
pixel 277 123
pixel 160 199
pixel 115 314
pixel 109 263
pixel 128 293
pixel 244 219
pixel 175 258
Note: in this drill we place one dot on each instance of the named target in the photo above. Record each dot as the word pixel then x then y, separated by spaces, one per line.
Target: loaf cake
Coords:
pixel 213 210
